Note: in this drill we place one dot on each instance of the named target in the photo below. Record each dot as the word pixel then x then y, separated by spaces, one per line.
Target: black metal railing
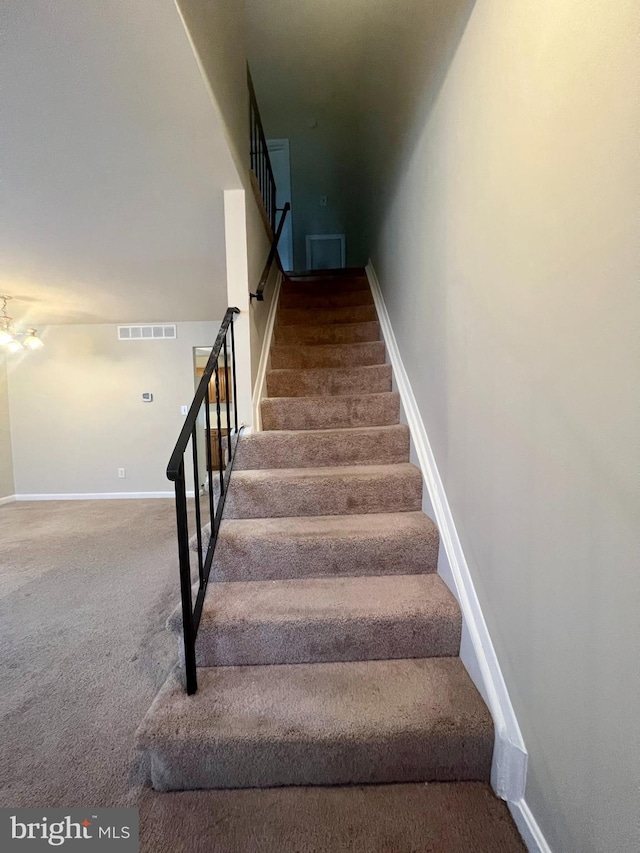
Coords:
pixel 212 454
pixel 273 254
pixel 259 154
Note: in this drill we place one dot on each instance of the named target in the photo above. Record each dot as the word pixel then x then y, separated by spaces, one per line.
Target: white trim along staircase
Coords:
pixel 328 649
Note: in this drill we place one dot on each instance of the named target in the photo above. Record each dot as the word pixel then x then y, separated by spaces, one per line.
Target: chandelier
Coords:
pixel 12 340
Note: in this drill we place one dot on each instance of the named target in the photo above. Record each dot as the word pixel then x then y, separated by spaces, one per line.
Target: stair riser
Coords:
pixel 326 286
pixel 313 317
pixel 308 449
pixel 335 412
pixel 332 495
pixel 329 640
pixel 322 301
pixel 409 757
pixel 327 382
pixel 351 333
pixel 262 557
pixel 346 355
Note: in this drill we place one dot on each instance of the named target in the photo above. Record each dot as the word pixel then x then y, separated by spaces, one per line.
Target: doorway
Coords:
pixel 218 443
pixel 280 163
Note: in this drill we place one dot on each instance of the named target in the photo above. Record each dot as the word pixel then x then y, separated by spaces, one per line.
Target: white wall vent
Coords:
pixel 325 251
pixel 147 332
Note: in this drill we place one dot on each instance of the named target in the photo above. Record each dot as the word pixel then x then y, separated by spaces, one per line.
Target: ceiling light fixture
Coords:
pixel 32 341
pixel 10 339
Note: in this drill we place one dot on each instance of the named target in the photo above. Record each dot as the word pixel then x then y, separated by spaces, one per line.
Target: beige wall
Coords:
pixel 217 29
pixel 78 415
pixel 305 62
pixel 259 317
pixel 6 457
pixel 113 166
pixel 217 32
pixel 507 249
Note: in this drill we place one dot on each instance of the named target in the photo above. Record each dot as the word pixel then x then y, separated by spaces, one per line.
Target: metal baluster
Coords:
pixel 219 430
pixel 255 143
pixel 188 629
pixel 233 371
pixel 227 390
pixel 209 463
pixel 196 495
pixel 273 204
pixel 251 137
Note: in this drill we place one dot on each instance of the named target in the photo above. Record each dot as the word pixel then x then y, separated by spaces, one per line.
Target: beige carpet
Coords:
pixel 323 680
pixel 85 591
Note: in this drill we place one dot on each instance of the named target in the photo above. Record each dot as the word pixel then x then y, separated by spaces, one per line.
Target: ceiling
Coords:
pixel 311 55
pixel 113 165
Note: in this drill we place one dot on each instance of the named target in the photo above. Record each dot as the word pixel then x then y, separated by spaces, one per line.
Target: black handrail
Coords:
pixel 259 294
pixel 176 473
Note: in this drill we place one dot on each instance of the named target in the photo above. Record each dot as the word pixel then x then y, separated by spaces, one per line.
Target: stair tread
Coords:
pixel 358 370
pixel 288 356
pixel 335 411
pixel 316 620
pixel 326 286
pixel 324 298
pixel 366 701
pixel 352 345
pixel 325 546
pixel 314 316
pixel 319 397
pixel 340 472
pixel 318 527
pixel 329 381
pixel 316 447
pixel 345 489
pixel 319 334
pixel 379 598
pixel 336 431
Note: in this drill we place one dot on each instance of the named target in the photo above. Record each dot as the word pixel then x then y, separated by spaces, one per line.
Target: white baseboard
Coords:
pixel 509 768
pixel 9 499
pixel 260 386
pixel 528 827
pixel 98 496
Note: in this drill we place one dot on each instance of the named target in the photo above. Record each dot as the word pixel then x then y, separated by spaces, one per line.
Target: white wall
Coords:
pixel 505 183
pixel 6 457
pixel 77 413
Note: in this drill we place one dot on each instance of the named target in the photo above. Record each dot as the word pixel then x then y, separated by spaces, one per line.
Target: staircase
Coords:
pixel 328 645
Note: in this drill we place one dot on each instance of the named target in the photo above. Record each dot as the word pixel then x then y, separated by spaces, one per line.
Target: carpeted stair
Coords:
pixel 328 646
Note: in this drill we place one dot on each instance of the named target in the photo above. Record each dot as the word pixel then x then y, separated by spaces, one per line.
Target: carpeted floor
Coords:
pixel 85 590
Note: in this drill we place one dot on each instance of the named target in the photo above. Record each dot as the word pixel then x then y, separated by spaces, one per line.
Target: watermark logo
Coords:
pixel 105 830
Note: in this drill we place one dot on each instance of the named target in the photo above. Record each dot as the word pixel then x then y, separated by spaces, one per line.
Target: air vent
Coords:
pixel 147 332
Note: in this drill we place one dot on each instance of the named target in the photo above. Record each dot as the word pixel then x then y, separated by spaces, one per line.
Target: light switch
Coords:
pixel 147 397
pixel 323 201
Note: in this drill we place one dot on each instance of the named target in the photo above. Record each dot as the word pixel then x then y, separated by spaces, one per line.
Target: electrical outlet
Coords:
pixel 121 473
